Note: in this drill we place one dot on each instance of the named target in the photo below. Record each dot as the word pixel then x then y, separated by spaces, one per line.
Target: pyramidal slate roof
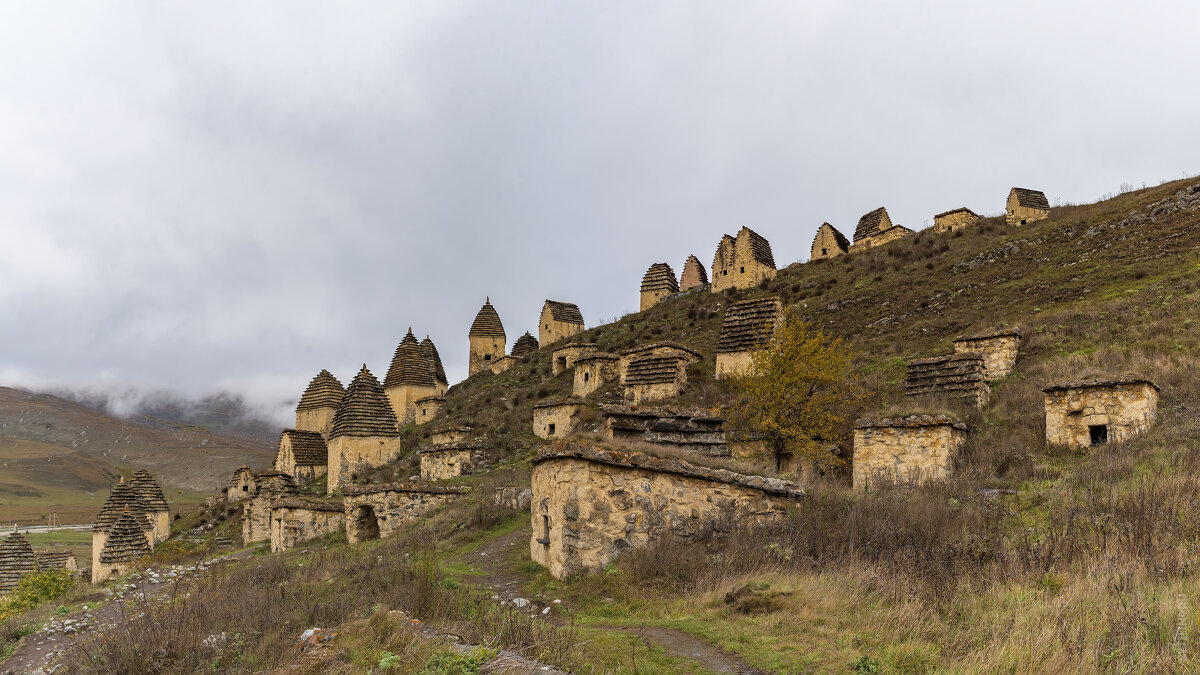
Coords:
pixel 487 322
pixel 308 447
pixel 53 558
pixel 126 541
pixel 365 411
pixel 149 491
pixel 16 560
pixel 525 344
pixel 654 370
pixel 748 323
pixel 872 223
pixel 1034 199
pixel 435 360
pixel 760 248
pixel 410 366
pixel 324 391
pixel 660 277
pixel 565 311
pixel 842 242
pixel 694 274
pixel 122 499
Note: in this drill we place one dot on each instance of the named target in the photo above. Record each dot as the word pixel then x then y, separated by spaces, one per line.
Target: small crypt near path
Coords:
pixel 912 449
pixel 379 510
pixel 1093 412
pixel 296 519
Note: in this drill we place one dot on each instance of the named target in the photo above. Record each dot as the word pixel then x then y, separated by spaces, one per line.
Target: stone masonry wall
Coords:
pixel 350 455
pixel 293 523
pixel 592 373
pixel 914 449
pixel 999 353
pixel 444 463
pixel 954 221
pixel 1125 409
pixel 319 420
pixel 557 421
pixel 390 507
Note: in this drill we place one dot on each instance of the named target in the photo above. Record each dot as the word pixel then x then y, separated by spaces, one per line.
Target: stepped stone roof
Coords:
pixel 365 411
pixel 842 242
pixel 308 447
pixel 524 345
pixel 760 248
pixel 16 560
pixel 694 274
pixel 950 375
pixel 912 421
pixel 487 322
pixel 53 558
pixel 126 541
pixel 431 355
pixel 653 370
pixel 1101 382
pixel 123 499
pixel 410 365
pixel 324 391
pixel 660 277
pixel 1034 199
pixel 1003 332
pixel 662 344
pixel 566 312
pixel 962 209
pixel 148 489
pixel 872 223
pixel 748 324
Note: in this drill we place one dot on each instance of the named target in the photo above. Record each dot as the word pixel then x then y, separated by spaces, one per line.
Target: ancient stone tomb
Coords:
pixel 697 431
pixel 256 509
pixel 563 358
pixel 427 408
pixel 16 560
pixel 241 484
pixel 415 372
pixel 121 501
pixel 742 262
pixel 56 559
pixel 999 350
pixel 125 543
pixel 486 339
pixel 1026 206
pixel 828 243
pixel 650 376
pixel 1093 412
pixel 747 326
pixel 558 418
pixel 446 435
pixel 950 377
pixel 591 504
pixel 379 510
pixel 449 461
pixel 657 283
pixel 302 454
pixel 954 220
pixel 876 229
pixel 295 520
pixel 694 274
pixel 365 432
pixel 908 450
pixel 559 320
pixel 593 371
pixel 318 403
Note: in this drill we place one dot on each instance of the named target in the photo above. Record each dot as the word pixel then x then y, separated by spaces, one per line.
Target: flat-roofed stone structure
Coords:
pixel 950 377
pixel 559 320
pixel 504 363
pixel 16 560
pixel 660 348
pixel 747 325
pixel 442 462
pixel 697 431
pixel 486 339
pixel 954 220
pixel 241 484
pixel 56 559
pixel 742 262
pixel 453 434
pixel 126 543
pixel 1092 412
pixel 302 454
pixel 694 275
pixel 121 500
pixel 524 346
pixel 295 520
pixel 380 510
pixel 828 243
pixel 654 378
pixel 365 432
pixel 593 371
pixel 591 504
pixel 412 375
pixel 999 350
pixel 1026 206
pixel 157 509
pixel 256 509
pixel 318 403
pixel 558 418
pixel 876 229
pixel 563 358
pixel 908 450
pixel 657 283
pixel 427 408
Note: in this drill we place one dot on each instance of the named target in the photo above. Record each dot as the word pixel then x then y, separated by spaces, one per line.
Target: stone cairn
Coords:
pixel 16 560
pixel 526 344
pixel 126 541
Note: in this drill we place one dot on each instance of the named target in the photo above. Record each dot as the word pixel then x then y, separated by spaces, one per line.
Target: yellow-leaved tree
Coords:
pixel 795 394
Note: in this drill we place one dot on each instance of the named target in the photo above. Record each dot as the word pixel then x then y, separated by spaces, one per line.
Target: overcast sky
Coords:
pixel 232 196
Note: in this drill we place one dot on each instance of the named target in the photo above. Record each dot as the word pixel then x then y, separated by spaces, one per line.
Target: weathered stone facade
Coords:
pixel 1092 412
pixel 559 320
pixel 876 229
pixel 448 435
pixel 694 274
pixel 503 363
pixel 319 402
pixel 954 220
pixel 513 497
pixel 241 485
pixel 302 454
pixel 486 338
pixel 295 520
pixel 412 375
pixel 365 433
pixel 593 371
pixel 744 262
pixel 592 504
pixel 999 350
pixel 657 283
pixel 559 418
pixel 654 378
pixel 1026 206
pixel 951 377
pixel 449 461
pixel 698 431
pixel 125 544
pixel 828 243
pixel 909 450
pixel 661 348
pixel 427 408
pixel 16 560
pixel 256 509
pixel 122 500
pixel 524 346
pixel 563 358
pixel 380 510
pixel 747 326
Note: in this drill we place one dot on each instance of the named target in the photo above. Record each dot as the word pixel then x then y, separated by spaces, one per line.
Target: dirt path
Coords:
pixel 679 643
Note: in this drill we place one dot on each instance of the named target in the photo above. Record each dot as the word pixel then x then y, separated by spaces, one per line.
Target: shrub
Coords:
pixel 34 590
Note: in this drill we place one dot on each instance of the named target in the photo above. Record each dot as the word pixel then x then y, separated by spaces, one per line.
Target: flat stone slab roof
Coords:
pixel 1102 382
pixel 408 487
pixel 1003 332
pixel 570 400
pixel 910 421
pixel 450 446
pixel 309 504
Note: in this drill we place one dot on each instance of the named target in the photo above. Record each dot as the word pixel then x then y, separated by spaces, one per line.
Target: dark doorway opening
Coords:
pixel 365 523
pixel 549 429
pixel 562 363
pixel 1098 433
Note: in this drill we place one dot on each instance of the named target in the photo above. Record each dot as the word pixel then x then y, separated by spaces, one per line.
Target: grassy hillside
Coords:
pixel 1029 559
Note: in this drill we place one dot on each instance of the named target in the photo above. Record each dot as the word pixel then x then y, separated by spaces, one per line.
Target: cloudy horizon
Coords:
pixel 231 197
